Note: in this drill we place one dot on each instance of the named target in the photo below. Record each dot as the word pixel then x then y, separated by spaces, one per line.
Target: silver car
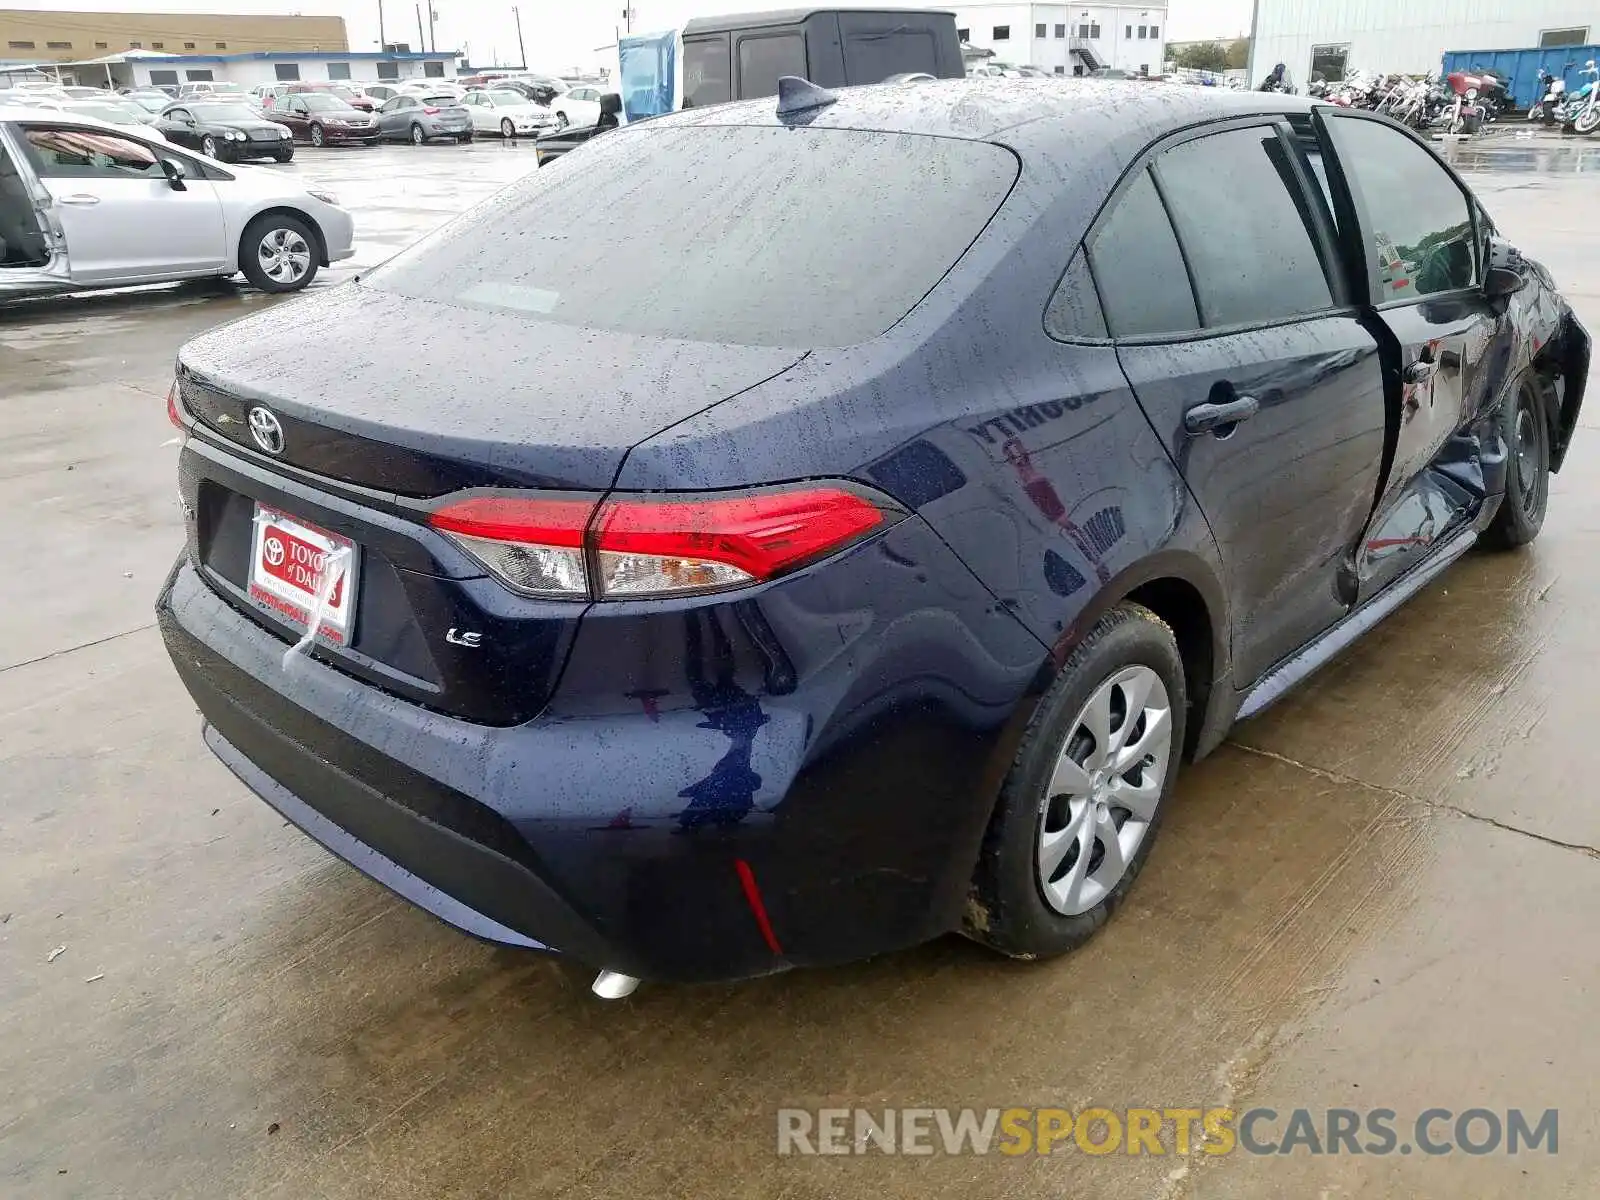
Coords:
pixel 85 204
pixel 421 118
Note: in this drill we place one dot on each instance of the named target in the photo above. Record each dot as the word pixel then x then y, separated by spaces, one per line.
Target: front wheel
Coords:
pixel 1080 807
pixel 464 138
pixel 284 156
pixel 1526 429
pixel 278 253
pixel 1588 120
pixel 318 138
pixel 507 129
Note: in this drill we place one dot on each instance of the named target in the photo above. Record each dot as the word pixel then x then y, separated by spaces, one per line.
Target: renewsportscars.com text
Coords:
pixel 1161 1131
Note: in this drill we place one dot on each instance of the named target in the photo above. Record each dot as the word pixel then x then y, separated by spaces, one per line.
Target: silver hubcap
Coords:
pixel 1105 789
pixel 316 136
pixel 285 257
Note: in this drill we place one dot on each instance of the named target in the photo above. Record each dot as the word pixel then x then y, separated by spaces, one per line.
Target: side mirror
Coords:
pixel 611 103
pixel 1507 273
pixel 173 170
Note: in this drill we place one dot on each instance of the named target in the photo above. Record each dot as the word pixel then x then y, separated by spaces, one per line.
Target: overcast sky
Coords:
pixel 564 33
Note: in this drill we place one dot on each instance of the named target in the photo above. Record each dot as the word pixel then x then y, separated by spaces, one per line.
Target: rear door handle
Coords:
pixel 1206 418
pixel 79 201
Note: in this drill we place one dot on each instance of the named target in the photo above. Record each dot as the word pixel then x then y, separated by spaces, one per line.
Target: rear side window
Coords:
pixel 1144 287
pixel 707 73
pixel 1248 241
pixel 1418 219
pixel 876 48
pixel 737 234
pixel 765 60
pixel 1074 311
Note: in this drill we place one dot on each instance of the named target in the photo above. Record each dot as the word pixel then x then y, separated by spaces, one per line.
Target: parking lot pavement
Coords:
pixel 1378 895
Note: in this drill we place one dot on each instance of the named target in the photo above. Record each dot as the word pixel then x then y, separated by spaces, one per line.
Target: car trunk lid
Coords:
pixel 421 398
pixel 370 431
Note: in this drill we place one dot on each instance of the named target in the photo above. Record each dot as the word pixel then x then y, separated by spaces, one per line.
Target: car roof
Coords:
pixel 56 116
pixel 1027 112
pixel 789 16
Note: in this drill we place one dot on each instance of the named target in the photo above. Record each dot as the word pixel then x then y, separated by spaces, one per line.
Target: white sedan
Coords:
pixel 85 204
pixel 510 114
pixel 578 106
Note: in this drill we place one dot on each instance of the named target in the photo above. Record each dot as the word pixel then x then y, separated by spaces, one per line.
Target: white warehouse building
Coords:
pixel 1334 36
pixel 1069 39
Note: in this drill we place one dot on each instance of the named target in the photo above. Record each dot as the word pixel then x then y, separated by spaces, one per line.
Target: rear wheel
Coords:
pixel 507 129
pixel 464 138
pixel 1083 800
pixel 418 137
pixel 1526 430
pixel 278 253
pixel 317 136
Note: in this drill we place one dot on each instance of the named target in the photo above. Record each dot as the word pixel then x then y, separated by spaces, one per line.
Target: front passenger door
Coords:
pixel 291 111
pixel 177 125
pixel 1217 274
pixel 122 220
pixel 1420 240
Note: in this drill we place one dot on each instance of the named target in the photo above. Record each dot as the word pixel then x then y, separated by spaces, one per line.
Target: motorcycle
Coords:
pixel 1581 113
pixel 1553 93
pixel 1464 114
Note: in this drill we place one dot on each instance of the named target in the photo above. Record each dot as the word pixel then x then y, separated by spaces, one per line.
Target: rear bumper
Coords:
pixel 789 812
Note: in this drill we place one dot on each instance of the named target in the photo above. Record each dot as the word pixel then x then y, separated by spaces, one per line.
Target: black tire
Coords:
pixel 1526 429
pixel 318 138
pixel 249 253
pixel 1006 909
pixel 208 147
pixel 464 138
pixel 284 156
pixel 418 135
pixel 507 129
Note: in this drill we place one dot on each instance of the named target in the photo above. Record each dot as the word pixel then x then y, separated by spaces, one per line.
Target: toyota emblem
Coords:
pixel 266 430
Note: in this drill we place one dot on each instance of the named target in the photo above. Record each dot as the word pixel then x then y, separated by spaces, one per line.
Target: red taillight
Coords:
pixel 174 411
pixel 649 546
pixel 664 545
pixel 432 112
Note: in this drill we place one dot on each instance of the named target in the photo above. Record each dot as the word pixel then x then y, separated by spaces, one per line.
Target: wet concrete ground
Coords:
pixel 1381 894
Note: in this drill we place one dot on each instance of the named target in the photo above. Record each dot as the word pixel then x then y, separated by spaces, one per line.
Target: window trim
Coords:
pixel 1346 198
pixel 1324 239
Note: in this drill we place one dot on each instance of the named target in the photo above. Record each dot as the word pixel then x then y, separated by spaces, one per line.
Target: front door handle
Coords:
pixel 80 200
pixel 1207 418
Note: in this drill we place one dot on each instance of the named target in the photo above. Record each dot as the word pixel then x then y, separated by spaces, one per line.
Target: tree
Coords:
pixel 1202 56
pixel 1238 54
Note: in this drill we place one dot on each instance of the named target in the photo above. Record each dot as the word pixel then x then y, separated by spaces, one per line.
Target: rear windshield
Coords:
pixel 745 235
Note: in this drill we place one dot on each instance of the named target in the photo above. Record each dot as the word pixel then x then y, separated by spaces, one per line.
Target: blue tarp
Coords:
pixel 1520 68
pixel 648 74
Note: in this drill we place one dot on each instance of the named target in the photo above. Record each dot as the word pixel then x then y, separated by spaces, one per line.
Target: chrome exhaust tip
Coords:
pixel 609 985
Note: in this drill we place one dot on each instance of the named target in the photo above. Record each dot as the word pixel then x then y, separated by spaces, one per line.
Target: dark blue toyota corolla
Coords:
pixel 841 535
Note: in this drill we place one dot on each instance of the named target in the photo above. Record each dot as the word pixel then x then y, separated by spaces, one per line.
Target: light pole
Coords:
pixel 521 45
pixel 383 38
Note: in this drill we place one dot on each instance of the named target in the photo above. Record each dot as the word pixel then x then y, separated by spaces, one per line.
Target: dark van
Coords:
pixel 742 57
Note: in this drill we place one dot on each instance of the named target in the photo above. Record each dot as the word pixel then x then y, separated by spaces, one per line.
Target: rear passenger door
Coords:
pixel 1216 268
pixel 1421 249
